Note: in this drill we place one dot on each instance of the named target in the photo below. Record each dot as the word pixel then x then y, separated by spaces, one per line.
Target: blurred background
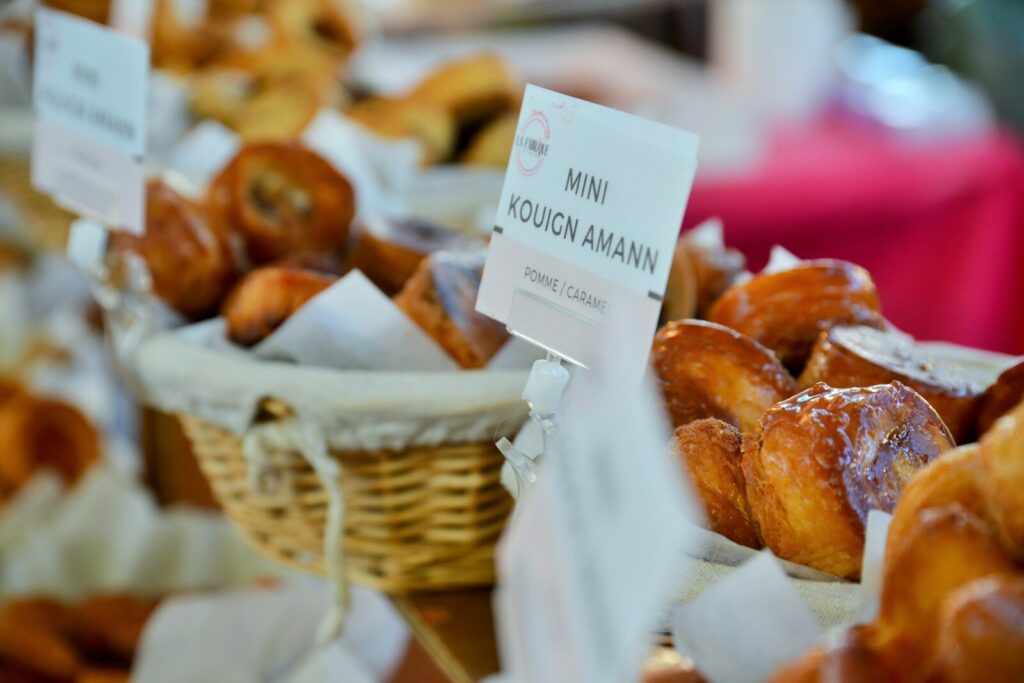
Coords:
pixel 884 132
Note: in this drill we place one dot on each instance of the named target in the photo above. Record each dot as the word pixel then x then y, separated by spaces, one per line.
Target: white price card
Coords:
pixel 593 551
pixel 90 87
pixel 589 216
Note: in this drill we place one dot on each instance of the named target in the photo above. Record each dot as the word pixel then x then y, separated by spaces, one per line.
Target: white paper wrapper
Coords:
pixel 873 565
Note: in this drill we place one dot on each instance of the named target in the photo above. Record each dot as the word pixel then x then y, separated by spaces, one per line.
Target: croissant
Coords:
pixel 266 298
pixel 1005 393
pixel 471 89
pixel 824 458
pixel 192 262
pixel 388 250
pixel 710 452
pixel 432 126
pixel 861 356
pixel 493 144
pixel 980 635
pixel 37 433
pixel 440 298
pixel 787 310
pixel 1002 477
pixel 706 370
pixel 282 198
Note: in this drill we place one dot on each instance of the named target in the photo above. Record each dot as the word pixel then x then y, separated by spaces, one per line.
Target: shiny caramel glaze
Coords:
pixel 786 311
pixel 44 434
pixel 440 298
pixel 826 457
pixel 192 262
pixel 267 297
pixel 710 453
pixel 715 270
pixel 850 660
pixel 282 198
pixel 1002 477
pixel 706 370
pixel 388 250
pixel 981 633
pixel 861 356
pixel 1006 393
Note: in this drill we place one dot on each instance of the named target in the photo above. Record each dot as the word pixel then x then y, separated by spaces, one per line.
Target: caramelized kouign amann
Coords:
pixel 1002 478
pixel 710 453
pixel 266 298
pixel 282 198
pixel 787 310
pixel 706 370
pixel 472 89
pixel 824 458
pixel 861 356
pixel 1005 393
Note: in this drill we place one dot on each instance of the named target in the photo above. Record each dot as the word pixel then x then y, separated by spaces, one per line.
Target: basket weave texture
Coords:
pixel 415 519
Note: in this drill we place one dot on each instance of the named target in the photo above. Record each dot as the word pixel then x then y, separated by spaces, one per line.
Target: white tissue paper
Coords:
pixel 873 565
pixel 746 626
pixel 202 152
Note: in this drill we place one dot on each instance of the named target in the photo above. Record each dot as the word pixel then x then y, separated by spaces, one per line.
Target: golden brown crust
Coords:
pixel 266 298
pixel 471 89
pixel 706 370
pixel 389 250
pixel 37 433
pixel 710 453
pixel 192 264
pixel 110 625
pixel 851 660
pixel 1005 393
pixel 282 198
pixel 431 125
pixel 1002 477
pixel 715 270
pixel 786 311
pixel 681 291
pixel 36 651
pixel 826 457
pixel 323 25
pixel 862 356
pixel 440 298
pixel 493 144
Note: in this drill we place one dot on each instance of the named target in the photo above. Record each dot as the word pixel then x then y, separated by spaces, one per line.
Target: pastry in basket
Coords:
pixel 388 250
pixel 681 290
pixel 38 433
pixel 430 125
pixel 860 356
pixel 472 89
pixel 787 310
pixel 850 660
pixel 282 198
pixel 33 651
pixel 710 452
pixel 9 389
pixel 1001 397
pixel 440 298
pixel 276 113
pixel 267 297
pixel 93 10
pixel 323 24
pixel 493 144
pixel 824 458
pixel 192 264
pixel 328 264
pixel 1001 476
pixel 220 94
pixel 110 626
pixel 715 266
pixel 706 370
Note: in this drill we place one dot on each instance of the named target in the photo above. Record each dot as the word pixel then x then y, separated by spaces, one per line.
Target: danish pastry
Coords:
pixel 1001 397
pixel 440 298
pixel 493 144
pixel 787 310
pixel 192 264
pixel 1002 477
pixel 710 452
pixel 266 298
pixel 388 250
pixel 37 433
pixel 282 198
pixel 824 458
pixel 472 89
pixel 430 125
pixel 862 356
pixel 706 370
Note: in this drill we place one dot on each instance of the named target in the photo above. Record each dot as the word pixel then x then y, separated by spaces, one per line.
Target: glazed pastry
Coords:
pixel 321 24
pixel 706 370
pixel 430 125
pixel 862 356
pixel 981 633
pixel 266 298
pixel 1002 477
pixel 192 264
pixel 715 266
pixel 38 433
pixel 826 457
pixel 282 198
pixel 110 625
pixel 278 113
pixel 851 660
pixel 787 310
pixel 493 144
pixel 9 389
pixel 472 89
pixel 440 298
pixel 1000 398
pixel 96 675
pixel 681 291
pixel 35 651
pixel 710 453
pixel 388 250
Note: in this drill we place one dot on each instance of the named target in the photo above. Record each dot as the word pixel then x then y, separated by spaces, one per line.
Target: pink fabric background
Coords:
pixel 939 226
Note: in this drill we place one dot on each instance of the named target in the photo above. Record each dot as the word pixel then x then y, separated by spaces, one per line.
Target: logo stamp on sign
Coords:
pixel 532 143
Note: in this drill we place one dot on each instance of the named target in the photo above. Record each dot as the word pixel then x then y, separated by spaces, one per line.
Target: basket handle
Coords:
pixel 305 438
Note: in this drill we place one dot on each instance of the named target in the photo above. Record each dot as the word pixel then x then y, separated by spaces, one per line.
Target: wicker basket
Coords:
pixel 417 519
